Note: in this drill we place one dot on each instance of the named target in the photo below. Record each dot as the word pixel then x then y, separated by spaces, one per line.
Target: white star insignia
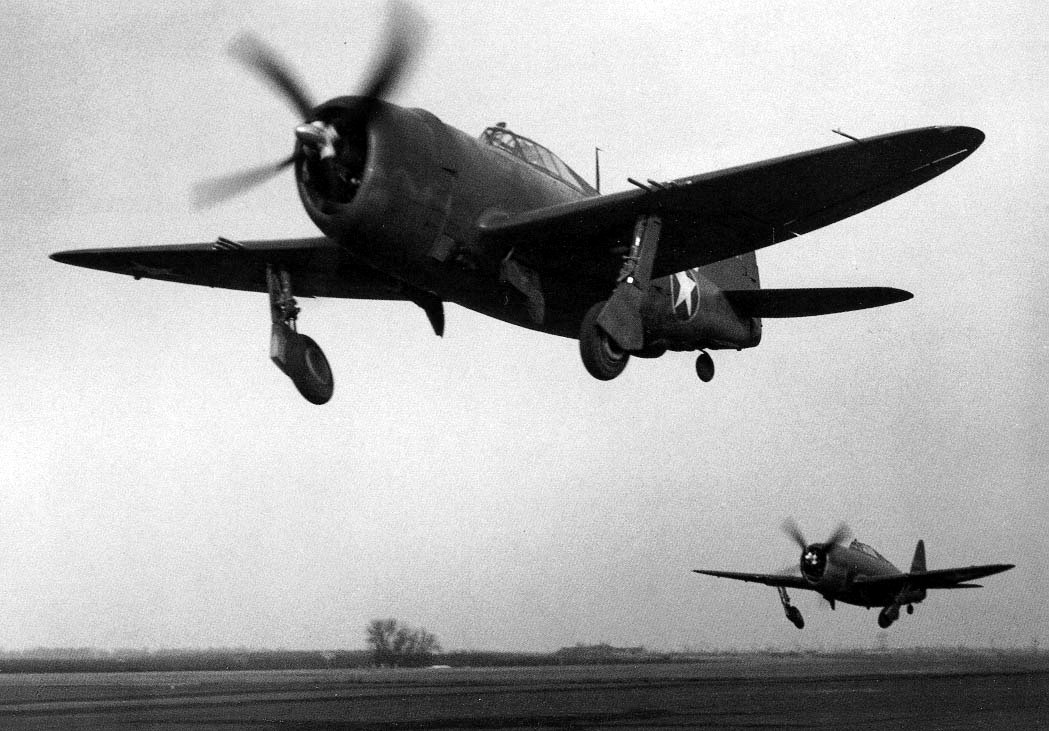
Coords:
pixel 685 286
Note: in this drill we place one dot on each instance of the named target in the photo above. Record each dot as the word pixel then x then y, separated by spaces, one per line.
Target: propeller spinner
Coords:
pixel 814 555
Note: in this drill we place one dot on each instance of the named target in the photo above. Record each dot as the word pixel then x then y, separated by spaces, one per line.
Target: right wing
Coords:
pixel 318 266
pixel 935 579
pixel 717 215
pixel 792 582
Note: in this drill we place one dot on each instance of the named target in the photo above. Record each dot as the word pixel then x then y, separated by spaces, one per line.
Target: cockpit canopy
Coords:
pixel 865 549
pixel 535 155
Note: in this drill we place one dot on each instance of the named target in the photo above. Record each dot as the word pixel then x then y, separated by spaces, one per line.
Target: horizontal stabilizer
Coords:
pixel 810 302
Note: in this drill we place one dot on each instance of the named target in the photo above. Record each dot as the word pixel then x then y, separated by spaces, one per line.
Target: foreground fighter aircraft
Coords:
pixel 414 210
pixel 857 574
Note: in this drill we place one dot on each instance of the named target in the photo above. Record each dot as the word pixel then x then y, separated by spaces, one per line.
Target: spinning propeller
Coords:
pixel 404 31
pixel 814 555
pixel 839 536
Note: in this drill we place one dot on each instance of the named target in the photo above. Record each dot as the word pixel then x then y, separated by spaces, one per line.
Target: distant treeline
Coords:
pixel 87 660
pixel 101 661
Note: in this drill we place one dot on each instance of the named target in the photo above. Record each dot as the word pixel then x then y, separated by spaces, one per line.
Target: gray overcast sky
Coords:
pixel 162 484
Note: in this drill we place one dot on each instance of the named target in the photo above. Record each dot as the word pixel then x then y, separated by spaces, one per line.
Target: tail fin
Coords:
pixel 918 564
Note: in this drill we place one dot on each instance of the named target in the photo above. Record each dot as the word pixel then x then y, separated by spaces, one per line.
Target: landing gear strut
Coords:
pixel 612 330
pixel 297 355
pixel 792 612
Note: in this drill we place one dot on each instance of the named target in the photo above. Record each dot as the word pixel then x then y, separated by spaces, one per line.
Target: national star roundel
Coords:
pixel 684 294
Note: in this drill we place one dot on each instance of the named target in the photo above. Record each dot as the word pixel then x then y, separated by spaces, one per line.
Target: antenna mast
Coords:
pixel 597 168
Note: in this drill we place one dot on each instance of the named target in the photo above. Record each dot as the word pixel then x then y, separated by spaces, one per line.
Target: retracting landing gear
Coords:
pixel 297 355
pixel 612 330
pixel 888 615
pixel 792 612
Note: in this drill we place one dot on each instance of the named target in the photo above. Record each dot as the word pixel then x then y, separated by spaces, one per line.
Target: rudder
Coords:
pixel 918 564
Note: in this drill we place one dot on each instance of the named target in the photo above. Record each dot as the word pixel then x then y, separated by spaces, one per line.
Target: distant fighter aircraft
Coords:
pixel 412 209
pixel 857 574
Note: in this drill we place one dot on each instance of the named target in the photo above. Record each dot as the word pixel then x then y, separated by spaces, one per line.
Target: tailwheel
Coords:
pixel 705 367
pixel 602 356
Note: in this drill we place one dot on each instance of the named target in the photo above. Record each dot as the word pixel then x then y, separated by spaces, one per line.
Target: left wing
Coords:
pixel 714 216
pixel 319 267
pixel 792 582
pixel 936 579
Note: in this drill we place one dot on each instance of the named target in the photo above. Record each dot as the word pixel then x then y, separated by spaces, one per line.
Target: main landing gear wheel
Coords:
pixel 888 615
pixel 297 355
pixel 705 367
pixel 603 358
pixel 308 369
pixel 792 612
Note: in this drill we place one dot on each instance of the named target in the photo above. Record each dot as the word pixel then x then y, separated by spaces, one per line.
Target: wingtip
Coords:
pixel 969 137
pixel 63 257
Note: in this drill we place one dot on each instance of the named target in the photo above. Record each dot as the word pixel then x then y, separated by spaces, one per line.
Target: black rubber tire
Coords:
pixel 309 370
pixel 885 621
pixel 705 367
pixel 794 615
pixel 604 360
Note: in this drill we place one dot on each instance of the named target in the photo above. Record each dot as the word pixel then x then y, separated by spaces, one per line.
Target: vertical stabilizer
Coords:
pixel 918 564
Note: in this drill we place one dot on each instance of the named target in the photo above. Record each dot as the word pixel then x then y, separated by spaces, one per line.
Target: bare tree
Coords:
pixel 394 643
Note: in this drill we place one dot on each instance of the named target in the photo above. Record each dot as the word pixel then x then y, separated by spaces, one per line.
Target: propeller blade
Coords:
pixel 840 535
pixel 216 190
pixel 405 30
pixel 267 63
pixel 791 529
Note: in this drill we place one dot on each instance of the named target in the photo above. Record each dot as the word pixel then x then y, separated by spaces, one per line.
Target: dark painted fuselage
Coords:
pixel 847 563
pixel 424 189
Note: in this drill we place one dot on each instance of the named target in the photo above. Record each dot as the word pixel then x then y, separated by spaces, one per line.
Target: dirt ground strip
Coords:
pixel 862 691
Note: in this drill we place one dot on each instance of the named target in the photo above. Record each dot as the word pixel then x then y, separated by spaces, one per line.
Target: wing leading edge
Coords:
pixel 936 579
pixel 319 267
pixel 714 216
pixel 785 580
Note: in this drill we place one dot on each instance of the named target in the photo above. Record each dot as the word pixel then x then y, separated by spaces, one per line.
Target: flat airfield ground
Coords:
pixel 739 691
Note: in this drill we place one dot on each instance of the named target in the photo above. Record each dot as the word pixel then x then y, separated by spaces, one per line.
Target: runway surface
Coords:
pixel 752 691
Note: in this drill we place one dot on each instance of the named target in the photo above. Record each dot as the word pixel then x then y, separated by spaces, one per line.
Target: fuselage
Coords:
pixel 845 564
pixel 422 190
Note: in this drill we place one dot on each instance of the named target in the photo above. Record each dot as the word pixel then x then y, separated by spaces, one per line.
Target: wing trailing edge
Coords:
pixel 812 302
